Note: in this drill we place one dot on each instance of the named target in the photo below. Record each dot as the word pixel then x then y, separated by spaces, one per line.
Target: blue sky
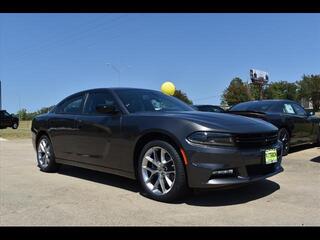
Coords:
pixel 46 57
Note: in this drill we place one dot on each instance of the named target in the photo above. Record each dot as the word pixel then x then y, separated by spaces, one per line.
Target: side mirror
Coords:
pixel 106 109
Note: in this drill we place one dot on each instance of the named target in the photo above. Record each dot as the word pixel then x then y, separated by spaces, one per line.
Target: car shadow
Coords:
pixel 301 148
pixel 316 159
pixel 217 197
pixel 100 177
pixel 234 196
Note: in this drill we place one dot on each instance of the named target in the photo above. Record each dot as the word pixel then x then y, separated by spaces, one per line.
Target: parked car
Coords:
pixel 208 108
pixel 8 120
pixel 296 126
pixel 159 140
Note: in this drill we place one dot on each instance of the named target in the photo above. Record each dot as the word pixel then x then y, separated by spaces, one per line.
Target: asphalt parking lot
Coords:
pixel 77 196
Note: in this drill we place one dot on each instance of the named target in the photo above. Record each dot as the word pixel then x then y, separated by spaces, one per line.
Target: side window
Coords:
pixel 72 106
pixel 6 114
pixel 287 108
pixel 98 98
pixel 299 110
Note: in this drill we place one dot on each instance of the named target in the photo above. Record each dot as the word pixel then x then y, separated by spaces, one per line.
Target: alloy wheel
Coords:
pixel 44 154
pixel 158 170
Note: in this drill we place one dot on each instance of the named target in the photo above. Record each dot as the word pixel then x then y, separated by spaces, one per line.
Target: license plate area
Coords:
pixel 270 156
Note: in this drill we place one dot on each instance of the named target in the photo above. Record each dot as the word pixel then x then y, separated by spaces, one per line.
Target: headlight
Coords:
pixel 211 138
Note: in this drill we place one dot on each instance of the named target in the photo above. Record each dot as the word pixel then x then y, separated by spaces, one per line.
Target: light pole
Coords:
pixel 116 69
pixel 0 97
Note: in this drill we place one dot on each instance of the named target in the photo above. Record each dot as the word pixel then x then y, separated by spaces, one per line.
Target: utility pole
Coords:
pixel 116 69
pixel 0 96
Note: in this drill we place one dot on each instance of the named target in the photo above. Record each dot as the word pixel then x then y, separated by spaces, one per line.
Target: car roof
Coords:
pixel 267 101
pixel 113 88
pixel 271 100
pixel 107 89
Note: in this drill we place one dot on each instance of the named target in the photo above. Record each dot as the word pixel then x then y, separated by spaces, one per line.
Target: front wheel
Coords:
pixel 284 137
pixel 15 125
pixel 161 172
pixel 45 155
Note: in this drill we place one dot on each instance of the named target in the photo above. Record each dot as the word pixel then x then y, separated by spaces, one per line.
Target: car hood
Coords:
pixel 219 121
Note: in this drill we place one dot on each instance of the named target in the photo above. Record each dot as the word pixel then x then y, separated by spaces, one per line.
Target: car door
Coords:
pixel 62 128
pixel 308 124
pixel 98 134
pixel 297 124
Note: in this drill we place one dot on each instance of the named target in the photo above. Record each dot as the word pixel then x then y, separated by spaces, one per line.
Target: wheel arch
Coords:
pixel 39 135
pixel 150 136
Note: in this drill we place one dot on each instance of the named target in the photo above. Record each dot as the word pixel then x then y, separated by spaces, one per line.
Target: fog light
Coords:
pixel 223 172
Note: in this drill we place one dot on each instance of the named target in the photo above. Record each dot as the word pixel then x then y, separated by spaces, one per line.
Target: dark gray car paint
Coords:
pixel 107 142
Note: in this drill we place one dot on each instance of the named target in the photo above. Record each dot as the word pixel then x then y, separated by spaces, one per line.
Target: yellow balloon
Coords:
pixel 168 88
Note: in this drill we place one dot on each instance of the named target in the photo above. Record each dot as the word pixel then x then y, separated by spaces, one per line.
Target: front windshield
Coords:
pixel 139 100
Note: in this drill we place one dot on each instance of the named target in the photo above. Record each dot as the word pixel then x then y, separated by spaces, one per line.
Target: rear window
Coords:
pixel 253 106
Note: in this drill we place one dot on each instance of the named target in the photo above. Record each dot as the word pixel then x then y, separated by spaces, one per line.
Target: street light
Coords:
pixel 116 69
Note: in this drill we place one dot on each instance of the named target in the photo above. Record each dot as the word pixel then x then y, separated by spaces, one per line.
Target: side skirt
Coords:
pixel 97 168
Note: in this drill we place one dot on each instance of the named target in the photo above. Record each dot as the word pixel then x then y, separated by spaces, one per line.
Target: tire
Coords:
pixel 15 125
pixel 284 137
pixel 318 141
pixel 45 155
pixel 170 169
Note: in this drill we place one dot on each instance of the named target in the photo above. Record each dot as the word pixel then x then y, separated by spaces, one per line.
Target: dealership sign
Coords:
pixel 258 76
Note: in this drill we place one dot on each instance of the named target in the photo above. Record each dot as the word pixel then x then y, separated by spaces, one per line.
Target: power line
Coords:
pixel 51 39
pixel 76 36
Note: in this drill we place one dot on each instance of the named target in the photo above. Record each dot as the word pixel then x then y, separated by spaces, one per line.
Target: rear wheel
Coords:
pixel 45 155
pixel 15 125
pixel 161 172
pixel 284 137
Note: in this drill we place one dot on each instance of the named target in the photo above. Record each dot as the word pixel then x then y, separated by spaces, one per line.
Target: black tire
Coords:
pixel 284 137
pixel 51 165
pixel 15 125
pixel 318 141
pixel 179 187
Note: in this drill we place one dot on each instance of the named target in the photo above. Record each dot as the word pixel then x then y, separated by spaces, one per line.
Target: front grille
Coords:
pixel 260 169
pixel 256 140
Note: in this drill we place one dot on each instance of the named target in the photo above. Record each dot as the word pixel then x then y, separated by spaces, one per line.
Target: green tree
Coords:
pixel 254 93
pixel 309 88
pixel 281 90
pixel 182 96
pixel 25 115
pixel 22 114
pixel 235 93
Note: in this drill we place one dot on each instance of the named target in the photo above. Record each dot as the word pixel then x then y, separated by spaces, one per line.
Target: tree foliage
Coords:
pixel 182 96
pixel 281 90
pixel 309 88
pixel 254 93
pixel 23 114
pixel 235 93
pixel 238 91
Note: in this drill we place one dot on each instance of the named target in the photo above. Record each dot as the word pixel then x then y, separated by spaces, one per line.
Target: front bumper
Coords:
pixel 248 165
